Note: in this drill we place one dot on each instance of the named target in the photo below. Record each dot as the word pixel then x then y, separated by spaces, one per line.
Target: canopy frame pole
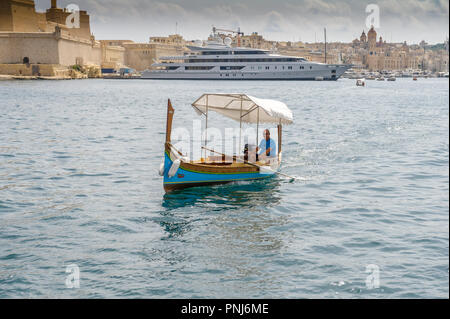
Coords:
pixel 254 107
pixel 206 126
pixel 280 128
pixel 257 128
pixel 240 129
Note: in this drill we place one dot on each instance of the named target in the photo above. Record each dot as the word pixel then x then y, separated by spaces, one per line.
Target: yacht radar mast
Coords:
pixel 238 32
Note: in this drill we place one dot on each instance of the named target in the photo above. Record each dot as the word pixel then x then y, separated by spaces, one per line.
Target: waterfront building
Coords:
pixel 254 41
pixel 173 39
pixel 378 55
pixel 36 43
pixel 140 56
pixel 113 56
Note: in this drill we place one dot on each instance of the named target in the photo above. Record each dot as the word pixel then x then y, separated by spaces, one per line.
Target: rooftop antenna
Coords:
pixel 176 27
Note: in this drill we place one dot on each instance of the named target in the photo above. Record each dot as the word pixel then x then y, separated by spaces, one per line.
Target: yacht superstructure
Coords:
pixel 218 61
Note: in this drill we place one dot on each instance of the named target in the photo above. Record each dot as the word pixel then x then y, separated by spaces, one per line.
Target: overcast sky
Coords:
pixel 288 20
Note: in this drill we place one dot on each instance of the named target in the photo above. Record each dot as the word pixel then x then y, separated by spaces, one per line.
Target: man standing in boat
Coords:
pixel 267 148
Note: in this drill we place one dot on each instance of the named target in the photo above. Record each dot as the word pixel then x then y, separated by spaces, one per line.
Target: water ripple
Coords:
pixel 79 185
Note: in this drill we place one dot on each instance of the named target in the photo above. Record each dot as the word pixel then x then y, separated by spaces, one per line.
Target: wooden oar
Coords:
pixel 253 164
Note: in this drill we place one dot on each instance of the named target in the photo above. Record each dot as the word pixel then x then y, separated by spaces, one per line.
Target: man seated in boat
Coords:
pixel 267 148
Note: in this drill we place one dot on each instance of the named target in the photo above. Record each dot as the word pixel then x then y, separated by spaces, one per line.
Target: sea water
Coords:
pixel 83 213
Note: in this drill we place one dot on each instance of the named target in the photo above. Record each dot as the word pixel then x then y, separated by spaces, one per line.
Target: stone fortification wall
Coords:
pixel 34 70
pixel 37 47
pixel 48 48
pixel 75 51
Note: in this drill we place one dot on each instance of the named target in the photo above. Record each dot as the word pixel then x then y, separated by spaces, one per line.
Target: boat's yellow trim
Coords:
pixel 217 173
pixel 219 180
pixel 235 164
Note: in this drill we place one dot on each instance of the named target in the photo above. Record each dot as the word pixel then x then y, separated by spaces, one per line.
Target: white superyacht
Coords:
pixel 217 60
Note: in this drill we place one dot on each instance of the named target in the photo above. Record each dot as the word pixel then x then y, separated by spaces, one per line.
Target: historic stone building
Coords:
pixel 173 39
pixel 30 37
pixel 140 56
pixel 256 41
pixel 60 16
pixel 378 55
pixel 253 40
pixel 20 16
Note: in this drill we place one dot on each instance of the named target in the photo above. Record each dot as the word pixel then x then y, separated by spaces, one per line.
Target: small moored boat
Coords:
pixel 181 172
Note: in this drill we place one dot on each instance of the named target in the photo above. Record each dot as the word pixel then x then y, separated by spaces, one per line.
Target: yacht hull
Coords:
pixel 328 73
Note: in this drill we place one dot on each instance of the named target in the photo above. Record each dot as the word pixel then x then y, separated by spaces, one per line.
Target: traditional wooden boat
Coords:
pixel 181 172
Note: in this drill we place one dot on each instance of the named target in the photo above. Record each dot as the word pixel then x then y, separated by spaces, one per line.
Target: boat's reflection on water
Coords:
pixel 249 194
pixel 182 207
pixel 235 226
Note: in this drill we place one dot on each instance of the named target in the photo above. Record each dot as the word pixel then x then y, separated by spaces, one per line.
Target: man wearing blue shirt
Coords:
pixel 267 147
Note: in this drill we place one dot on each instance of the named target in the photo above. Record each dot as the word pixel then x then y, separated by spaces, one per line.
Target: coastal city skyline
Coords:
pixel 25 29
pixel 401 20
pixel 79 50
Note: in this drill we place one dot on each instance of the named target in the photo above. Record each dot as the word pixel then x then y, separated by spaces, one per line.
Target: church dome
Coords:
pixel 363 37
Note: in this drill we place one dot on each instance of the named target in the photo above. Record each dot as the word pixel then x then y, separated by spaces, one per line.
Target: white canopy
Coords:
pixel 237 106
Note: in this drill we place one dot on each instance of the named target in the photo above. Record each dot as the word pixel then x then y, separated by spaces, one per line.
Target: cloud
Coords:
pixel 410 20
pixel 273 22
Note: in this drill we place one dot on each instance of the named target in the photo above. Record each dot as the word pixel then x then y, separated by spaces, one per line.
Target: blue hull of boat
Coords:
pixel 184 178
